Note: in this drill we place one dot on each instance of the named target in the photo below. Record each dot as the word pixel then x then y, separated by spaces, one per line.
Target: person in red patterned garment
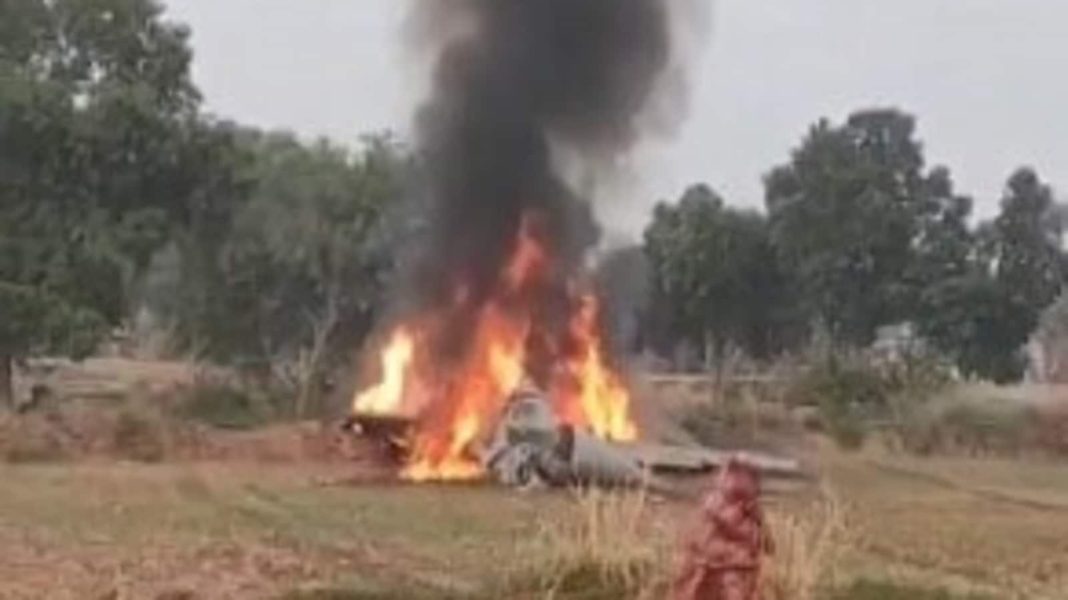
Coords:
pixel 721 555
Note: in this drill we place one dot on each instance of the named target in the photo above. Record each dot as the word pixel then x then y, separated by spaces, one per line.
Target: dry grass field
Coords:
pixel 276 526
pixel 244 530
pixel 223 531
pixel 995 526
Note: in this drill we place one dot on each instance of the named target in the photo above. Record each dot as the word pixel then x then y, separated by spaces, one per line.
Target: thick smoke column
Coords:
pixel 520 89
pixel 521 78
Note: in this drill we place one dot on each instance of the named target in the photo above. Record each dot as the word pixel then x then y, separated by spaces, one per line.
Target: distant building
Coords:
pixel 893 342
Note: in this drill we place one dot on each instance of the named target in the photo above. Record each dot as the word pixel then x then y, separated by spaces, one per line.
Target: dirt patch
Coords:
pixel 29 565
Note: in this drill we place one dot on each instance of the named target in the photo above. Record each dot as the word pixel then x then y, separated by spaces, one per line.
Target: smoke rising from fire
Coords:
pixel 516 84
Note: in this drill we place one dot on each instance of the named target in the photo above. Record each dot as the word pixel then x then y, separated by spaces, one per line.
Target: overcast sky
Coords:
pixel 988 80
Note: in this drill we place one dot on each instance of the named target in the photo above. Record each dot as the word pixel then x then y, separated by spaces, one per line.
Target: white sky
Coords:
pixel 988 80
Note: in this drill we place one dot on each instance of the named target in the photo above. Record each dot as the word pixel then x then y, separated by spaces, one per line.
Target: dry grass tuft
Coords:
pixel 140 435
pixel 30 440
pixel 612 547
pixel 617 547
pixel 808 546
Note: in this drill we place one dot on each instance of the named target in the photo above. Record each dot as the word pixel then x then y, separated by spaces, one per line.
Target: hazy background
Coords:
pixel 983 76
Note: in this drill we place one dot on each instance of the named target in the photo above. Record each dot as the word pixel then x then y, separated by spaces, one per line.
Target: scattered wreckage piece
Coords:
pixel 389 434
pixel 530 448
pixel 675 459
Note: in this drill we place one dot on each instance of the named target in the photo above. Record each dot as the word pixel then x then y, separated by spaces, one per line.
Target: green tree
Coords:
pixel 984 315
pixel 844 214
pixel 714 271
pixel 875 239
pixel 1027 243
pixel 971 320
pixel 944 244
pixel 186 284
pixel 299 273
pixel 95 112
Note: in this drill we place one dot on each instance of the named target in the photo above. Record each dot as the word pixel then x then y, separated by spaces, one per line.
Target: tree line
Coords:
pixel 120 196
pixel 859 233
pixel 122 200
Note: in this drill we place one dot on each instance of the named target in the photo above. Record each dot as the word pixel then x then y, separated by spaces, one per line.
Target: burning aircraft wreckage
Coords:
pixel 497 366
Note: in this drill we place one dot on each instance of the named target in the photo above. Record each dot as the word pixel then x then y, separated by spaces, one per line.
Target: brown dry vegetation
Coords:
pixel 86 513
pixel 251 530
pixel 956 520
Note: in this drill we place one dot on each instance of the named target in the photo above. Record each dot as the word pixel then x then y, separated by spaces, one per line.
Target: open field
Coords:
pixel 1000 527
pixel 244 530
pixel 229 530
pixel 263 515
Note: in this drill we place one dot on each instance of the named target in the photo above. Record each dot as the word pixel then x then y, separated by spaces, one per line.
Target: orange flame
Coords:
pixel 588 392
pixel 469 394
pixel 387 397
pixel 474 397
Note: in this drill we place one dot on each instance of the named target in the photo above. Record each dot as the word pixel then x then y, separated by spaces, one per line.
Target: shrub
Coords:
pixel 226 405
pixel 840 381
pixel 985 427
pixel 139 437
pixel 30 439
pixel 851 392
pixel 916 376
pixel 741 421
pixel 711 424
pixel 1052 430
pixel 846 394
pixel 846 428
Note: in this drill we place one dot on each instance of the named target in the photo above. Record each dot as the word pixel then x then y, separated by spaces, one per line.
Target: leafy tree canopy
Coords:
pixel 293 283
pixel 845 212
pixel 984 315
pixel 98 136
pixel 715 273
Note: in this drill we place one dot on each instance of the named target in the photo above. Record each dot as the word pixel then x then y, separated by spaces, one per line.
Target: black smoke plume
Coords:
pixel 517 80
